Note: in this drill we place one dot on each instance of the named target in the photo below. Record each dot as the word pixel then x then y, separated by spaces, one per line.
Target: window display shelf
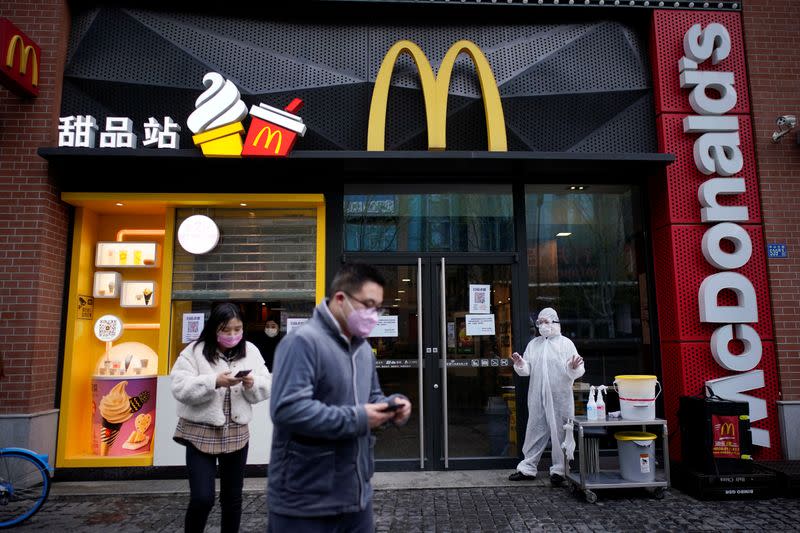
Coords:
pixel 132 254
pixel 138 294
pixel 106 284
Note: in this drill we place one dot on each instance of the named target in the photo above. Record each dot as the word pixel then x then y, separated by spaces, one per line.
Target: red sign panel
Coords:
pixel 19 60
pixel 726 443
pixel 265 139
pixel 701 96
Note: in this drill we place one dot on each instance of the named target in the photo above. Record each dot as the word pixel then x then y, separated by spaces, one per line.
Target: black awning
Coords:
pixel 120 169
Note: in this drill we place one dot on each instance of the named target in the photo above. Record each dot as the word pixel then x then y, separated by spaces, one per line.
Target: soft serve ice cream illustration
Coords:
pixel 216 120
pixel 116 408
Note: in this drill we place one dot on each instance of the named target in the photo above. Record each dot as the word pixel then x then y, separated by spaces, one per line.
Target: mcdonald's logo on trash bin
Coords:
pixel 19 70
pixel 435 90
pixel 727 430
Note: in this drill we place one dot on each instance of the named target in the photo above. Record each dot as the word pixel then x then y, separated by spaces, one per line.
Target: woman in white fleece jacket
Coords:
pixel 216 380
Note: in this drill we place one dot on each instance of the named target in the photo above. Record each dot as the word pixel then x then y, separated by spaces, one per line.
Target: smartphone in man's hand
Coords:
pixel 393 406
pixel 242 373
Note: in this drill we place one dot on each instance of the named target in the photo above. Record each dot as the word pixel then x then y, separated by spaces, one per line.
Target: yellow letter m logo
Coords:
pixel 435 91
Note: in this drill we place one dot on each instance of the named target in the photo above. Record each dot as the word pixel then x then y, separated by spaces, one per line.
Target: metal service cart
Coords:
pixel 611 479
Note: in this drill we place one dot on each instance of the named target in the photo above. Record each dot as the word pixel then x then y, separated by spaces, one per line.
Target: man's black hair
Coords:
pixel 352 276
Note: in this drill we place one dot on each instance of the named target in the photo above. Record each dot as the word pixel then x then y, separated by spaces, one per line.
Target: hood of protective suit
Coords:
pixel 552 329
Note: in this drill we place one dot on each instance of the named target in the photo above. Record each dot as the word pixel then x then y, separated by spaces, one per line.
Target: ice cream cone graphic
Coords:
pixel 116 408
pixel 108 434
pixel 216 121
pixel 137 401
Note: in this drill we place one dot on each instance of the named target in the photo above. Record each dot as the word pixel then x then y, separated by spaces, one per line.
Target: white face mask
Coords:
pixel 271 332
pixel 549 330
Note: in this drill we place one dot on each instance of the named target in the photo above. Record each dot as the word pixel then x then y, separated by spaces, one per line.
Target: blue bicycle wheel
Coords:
pixel 24 486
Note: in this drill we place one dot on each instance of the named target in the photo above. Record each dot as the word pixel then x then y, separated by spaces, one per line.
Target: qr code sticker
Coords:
pixel 108 328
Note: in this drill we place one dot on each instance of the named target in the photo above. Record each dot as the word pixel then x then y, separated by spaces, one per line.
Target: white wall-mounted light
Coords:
pixel 198 234
pixel 563 234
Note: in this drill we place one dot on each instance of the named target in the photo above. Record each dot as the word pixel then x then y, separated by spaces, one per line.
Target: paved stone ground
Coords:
pixel 523 508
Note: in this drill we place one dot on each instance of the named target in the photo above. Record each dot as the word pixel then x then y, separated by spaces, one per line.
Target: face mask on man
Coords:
pixel 361 322
pixel 271 332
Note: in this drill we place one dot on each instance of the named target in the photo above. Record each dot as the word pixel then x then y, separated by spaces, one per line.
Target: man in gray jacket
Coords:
pixel 325 400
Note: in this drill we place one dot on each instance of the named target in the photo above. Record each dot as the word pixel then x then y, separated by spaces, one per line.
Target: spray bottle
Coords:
pixel 591 405
pixel 600 404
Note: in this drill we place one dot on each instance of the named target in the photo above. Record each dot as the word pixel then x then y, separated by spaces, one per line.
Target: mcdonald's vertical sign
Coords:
pixel 19 60
pixel 435 89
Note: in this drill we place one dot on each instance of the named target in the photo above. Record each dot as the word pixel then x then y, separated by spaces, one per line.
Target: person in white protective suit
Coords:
pixel 553 363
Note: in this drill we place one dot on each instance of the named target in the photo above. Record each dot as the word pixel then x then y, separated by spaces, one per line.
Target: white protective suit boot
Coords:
pixel 550 402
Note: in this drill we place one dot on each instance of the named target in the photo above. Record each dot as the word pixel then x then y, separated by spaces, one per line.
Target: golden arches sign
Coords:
pixel 26 51
pixel 271 134
pixel 727 429
pixel 19 60
pixel 435 90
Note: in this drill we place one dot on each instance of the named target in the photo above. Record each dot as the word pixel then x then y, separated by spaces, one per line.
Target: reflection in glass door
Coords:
pixel 480 398
pixel 446 344
pixel 397 348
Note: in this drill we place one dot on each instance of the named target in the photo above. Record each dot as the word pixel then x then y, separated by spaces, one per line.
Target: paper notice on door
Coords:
pixel 192 326
pixel 451 334
pixel 480 325
pixel 479 298
pixel 292 323
pixel 386 327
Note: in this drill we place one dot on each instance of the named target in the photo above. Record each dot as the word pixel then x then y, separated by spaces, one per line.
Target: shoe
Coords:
pixel 556 479
pixel 519 476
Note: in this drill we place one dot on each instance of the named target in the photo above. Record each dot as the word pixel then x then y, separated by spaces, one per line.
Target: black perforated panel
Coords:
pixel 580 87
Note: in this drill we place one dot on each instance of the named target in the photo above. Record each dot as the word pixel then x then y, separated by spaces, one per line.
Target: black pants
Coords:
pixel 202 471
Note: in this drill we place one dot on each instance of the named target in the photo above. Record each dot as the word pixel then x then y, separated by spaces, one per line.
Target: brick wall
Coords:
pixel 33 221
pixel 773 62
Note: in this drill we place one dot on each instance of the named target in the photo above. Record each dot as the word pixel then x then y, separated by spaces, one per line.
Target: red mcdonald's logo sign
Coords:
pixel 727 429
pixel 271 134
pixel 19 60
pixel 273 131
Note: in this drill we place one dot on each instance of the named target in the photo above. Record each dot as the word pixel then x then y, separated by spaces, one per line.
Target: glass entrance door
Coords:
pixel 446 344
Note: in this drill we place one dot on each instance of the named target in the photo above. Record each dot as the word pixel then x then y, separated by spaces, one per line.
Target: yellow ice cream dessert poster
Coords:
pixel 123 417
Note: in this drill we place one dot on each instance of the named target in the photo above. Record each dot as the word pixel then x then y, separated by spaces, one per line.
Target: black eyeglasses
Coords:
pixel 380 310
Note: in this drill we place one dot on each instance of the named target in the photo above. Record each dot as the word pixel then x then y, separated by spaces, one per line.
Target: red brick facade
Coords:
pixel 33 221
pixel 773 62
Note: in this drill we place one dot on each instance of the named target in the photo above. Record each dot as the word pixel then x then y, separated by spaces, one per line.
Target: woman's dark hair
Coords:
pixel 220 316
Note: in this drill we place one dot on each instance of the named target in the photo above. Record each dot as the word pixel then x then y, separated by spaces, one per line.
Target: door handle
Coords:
pixel 420 373
pixel 435 385
pixel 444 366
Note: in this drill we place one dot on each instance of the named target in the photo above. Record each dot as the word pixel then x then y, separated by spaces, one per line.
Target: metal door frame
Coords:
pixel 433 373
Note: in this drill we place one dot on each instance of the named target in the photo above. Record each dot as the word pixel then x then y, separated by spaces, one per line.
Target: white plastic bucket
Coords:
pixel 636 455
pixel 637 396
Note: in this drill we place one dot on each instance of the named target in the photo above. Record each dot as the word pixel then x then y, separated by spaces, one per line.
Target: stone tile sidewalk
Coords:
pixel 440 502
